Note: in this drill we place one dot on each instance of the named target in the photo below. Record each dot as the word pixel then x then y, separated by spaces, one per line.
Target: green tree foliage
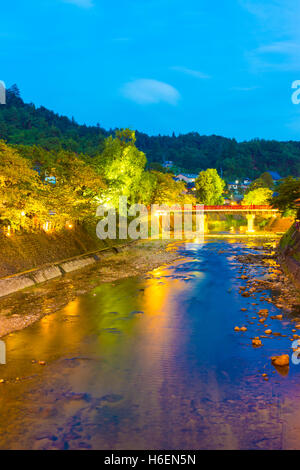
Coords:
pixel 209 187
pixel 122 166
pixel 287 192
pixel 77 190
pixel 25 124
pixel 258 196
pixel 22 195
pixel 168 191
pixel 264 181
pixel 29 200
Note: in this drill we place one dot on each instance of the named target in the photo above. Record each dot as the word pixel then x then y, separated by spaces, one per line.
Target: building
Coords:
pixel 239 185
pixel 275 176
pixel 50 179
pixel 187 178
pixel 168 164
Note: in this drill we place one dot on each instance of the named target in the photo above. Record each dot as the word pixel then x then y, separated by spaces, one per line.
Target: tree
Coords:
pixel 258 196
pixel 288 191
pixel 168 191
pixel 22 195
pixel 77 189
pixel 209 187
pixel 122 166
pixel 264 181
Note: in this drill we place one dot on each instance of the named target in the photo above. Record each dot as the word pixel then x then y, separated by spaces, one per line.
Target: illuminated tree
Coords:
pixel 168 191
pixel 122 166
pixel 22 195
pixel 209 187
pixel 75 194
pixel 258 196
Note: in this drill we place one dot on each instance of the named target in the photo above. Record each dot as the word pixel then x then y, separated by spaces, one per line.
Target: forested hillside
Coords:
pixel 231 158
pixel 25 124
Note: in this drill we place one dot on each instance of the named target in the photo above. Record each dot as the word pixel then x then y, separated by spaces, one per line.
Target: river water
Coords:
pixel 154 362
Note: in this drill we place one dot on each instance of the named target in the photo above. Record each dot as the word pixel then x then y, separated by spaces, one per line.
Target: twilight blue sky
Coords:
pixel 159 66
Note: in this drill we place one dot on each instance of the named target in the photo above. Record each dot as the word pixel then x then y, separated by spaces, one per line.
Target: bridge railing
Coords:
pixel 238 207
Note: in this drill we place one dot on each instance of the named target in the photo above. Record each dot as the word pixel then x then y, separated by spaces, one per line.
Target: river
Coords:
pixel 153 362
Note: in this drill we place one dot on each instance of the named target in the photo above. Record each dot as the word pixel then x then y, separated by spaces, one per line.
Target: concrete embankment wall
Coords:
pixel 24 251
pixel 289 249
pixel 29 259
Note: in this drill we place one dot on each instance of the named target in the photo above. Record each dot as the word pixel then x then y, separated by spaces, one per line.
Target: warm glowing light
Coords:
pixel 46 227
pixel 159 213
pixel 23 214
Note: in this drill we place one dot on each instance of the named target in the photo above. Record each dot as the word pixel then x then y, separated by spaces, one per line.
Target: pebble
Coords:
pixel 264 312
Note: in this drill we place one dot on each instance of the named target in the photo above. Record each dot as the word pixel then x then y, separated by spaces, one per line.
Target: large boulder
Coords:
pixel 281 361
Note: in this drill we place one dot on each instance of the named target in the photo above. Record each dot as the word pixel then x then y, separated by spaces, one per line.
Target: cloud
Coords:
pixel 244 88
pixel 278 55
pixel 81 3
pixel 278 30
pixel 121 39
pixel 147 91
pixel 193 73
pixel 280 47
pixel 255 8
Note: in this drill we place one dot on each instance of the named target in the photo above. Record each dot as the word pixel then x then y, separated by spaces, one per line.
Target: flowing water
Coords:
pixel 154 362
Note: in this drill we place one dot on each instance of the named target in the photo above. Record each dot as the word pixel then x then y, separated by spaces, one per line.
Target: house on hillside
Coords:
pixel 168 164
pixel 275 176
pixel 239 185
pixel 187 178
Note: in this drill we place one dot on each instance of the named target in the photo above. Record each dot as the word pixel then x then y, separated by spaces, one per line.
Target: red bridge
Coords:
pixel 250 211
pixel 238 208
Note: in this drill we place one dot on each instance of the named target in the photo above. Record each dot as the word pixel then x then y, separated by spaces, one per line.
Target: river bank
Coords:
pixel 25 307
pixel 285 292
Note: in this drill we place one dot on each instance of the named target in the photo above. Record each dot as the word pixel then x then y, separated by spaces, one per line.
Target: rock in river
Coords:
pixel 281 361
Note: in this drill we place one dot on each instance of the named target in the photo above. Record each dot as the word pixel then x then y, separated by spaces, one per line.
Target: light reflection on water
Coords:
pixel 153 363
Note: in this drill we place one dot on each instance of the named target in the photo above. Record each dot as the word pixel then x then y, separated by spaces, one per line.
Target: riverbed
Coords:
pixel 153 362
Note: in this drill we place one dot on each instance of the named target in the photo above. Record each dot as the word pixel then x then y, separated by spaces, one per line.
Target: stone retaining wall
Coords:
pixel 289 250
pixel 24 251
pixel 16 282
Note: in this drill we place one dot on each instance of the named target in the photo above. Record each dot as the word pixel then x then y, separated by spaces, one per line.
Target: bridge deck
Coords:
pixel 240 208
